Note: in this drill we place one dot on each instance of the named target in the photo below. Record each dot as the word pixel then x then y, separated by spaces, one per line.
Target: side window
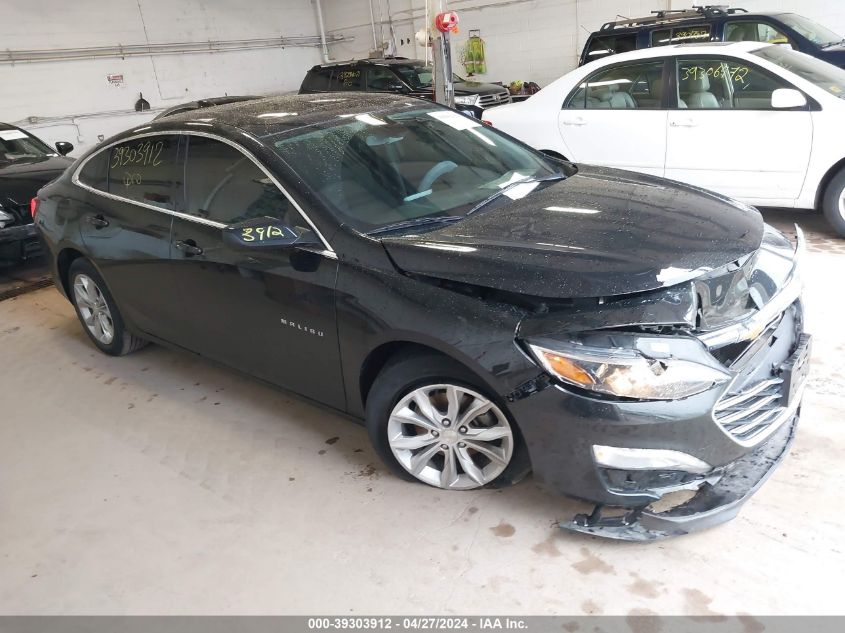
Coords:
pixel 147 170
pixel 725 84
pixel 223 185
pixel 746 31
pixel 610 45
pixel 348 78
pixel 96 171
pixel 631 87
pixel 681 35
pixel 381 79
pixel 318 80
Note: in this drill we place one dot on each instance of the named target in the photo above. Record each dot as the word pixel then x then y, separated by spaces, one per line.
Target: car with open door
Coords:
pixel 756 122
pixel 26 164
pixel 483 308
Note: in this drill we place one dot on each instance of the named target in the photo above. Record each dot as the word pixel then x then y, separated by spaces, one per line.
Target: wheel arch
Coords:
pixel 64 259
pixel 380 355
pixel 824 183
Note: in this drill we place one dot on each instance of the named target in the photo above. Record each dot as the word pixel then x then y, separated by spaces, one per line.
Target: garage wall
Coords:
pixel 72 100
pixel 536 40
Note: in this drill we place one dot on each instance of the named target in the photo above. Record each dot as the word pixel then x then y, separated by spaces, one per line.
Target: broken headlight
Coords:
pixel 631 366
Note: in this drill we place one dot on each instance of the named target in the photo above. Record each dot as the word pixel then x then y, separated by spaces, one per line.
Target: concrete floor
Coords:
pixel 157 483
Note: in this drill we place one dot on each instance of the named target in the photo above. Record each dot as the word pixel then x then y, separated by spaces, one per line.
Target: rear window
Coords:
pixel 681 35
pixel 318 80
pixel 604 45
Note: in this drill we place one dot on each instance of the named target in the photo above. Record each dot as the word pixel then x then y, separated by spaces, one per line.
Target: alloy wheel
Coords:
pixel 93 308
pixel 450 437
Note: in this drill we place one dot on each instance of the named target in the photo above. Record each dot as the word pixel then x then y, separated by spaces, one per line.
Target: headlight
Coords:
pixel 5 218
pixel 468 100
pixel 645 369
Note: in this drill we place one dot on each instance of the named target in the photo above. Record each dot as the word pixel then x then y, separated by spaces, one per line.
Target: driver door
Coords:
pixel 267 312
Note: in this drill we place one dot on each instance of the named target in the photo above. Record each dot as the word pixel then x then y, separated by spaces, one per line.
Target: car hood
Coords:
pixel 20 180
pixel 476 88
pixel 600 232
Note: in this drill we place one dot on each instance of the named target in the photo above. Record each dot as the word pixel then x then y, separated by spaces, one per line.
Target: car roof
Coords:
pixel 704 48
pixel 611 28
pixel 280 114
pixel 372 61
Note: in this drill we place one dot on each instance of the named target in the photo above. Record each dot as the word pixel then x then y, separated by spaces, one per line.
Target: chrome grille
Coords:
pixel 746 413
pixel 498 98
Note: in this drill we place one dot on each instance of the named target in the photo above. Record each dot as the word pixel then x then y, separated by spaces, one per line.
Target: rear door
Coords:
pixel 269 313
pixel 727 137
pixel 617 118
pixel 132 190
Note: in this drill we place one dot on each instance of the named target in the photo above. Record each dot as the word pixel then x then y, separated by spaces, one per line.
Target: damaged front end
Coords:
pixel 670 408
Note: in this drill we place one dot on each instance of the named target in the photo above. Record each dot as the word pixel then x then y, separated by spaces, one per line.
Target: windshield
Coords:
pixel 17 145
pixel 813 31
pixel 375 170
pixel 419 76
pixel 822 74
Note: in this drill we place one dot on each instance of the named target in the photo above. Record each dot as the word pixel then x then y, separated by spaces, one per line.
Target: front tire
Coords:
pixel 431 422
pixel 98 312
pixel 833 203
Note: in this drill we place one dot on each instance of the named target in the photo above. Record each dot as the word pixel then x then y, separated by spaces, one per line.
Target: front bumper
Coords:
pixel 19 242
pixel 711 505
pixel 718 446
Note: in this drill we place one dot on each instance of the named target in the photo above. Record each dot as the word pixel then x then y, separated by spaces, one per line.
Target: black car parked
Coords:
pixel 715 23
pixel 398 75
pixel 485 308
pixel 26 164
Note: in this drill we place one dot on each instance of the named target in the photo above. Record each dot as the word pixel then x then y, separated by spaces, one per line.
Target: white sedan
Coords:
pixel 760 123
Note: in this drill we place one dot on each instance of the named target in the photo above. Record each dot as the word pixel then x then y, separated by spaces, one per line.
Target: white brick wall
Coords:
pixel 534 40
pixel 57 89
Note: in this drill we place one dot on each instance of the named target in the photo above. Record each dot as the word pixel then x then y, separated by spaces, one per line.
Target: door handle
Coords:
pixel 687 123
pixel 188 247
pixel 97 221
pixel 578 121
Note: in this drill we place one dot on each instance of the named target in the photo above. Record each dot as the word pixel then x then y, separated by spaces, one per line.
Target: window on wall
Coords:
pixel 224 185
pixel 147 170
pixel 746 31
pixel 626 87
pixel 725 84
pixel 681 35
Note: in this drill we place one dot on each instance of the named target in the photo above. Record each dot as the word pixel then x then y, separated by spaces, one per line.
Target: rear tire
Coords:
pixel 97 311
pixel 833 203
pixel 408 411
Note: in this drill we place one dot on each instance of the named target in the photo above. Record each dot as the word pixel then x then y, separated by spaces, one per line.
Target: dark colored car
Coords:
pixel 26 164
pixel 199 104
pixel 716 24
pixel 485 308
pixel 398 75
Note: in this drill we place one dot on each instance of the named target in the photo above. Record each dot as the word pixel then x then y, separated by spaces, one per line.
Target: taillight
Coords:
pixel 33 207
pixel 486 122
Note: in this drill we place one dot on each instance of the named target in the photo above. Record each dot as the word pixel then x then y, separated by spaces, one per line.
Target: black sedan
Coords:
pixel 26 164
pixel 486 309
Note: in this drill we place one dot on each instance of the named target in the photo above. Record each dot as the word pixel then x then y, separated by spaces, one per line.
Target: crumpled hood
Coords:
pixel 599 233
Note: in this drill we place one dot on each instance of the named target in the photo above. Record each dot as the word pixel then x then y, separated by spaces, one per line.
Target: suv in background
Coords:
pixel 398 75
pixel 715 24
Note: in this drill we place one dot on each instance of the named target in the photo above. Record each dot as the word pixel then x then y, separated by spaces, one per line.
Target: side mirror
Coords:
pixel 265 232
pixel 64 148
pixel 788 98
